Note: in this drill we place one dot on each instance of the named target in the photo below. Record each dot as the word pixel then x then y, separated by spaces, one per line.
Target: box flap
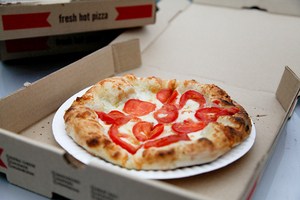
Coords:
pixel 101 64
pixel 288 89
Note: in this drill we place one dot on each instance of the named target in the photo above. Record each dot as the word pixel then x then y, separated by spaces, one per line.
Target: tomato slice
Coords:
pixel 173 97
pixel 229 111
pixel 156 131
pixel 166 140
pixel 137 107
pixel 105 117
pixel 115 135
pixel 211 114
pixel 144 130
pixel 188 126
pixel 112 116
pixel 163 95
pixel 192 95
pixel 208 114
pixel 166 114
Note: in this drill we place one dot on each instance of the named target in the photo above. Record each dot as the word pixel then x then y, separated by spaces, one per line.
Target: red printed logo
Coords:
pixel 25 21
pixel 1 162
pixel 134 12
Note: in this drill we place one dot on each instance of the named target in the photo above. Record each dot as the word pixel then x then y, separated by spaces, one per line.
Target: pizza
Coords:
pixel 156 124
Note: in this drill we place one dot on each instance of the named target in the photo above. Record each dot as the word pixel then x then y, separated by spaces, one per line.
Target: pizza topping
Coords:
pixel 166 140
pixel 192 95
pixel 138 108
pixel 208 114
pixel 115 135
pixel 211 114
pixel 173 97
pixel 229 111
pixel 188 126
pixel 164 95
pixel 111 116
pixel 144 130
pixel 166 114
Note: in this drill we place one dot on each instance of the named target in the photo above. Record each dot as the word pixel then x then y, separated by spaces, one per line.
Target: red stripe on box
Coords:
pixel 27 44
pixel 25 21
pixel 134 12
pixel 1 162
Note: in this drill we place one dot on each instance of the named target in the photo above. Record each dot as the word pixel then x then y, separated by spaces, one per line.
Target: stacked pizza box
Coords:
pixel 36 28
pixel 184 44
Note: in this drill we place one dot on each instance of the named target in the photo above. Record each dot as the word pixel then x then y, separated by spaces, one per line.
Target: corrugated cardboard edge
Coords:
pixel 287 94
pixel 103 63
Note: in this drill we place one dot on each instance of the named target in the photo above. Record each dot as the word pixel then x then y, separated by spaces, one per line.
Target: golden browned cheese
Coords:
pixel 217 138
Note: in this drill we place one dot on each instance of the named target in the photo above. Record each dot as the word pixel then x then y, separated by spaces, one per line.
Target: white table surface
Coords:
pixel 281 179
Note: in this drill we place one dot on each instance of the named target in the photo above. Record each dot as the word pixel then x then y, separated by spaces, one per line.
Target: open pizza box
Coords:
pixel 286 7
pixel 188 41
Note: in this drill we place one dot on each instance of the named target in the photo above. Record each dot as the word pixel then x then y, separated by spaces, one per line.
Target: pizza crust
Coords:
pixel 84 127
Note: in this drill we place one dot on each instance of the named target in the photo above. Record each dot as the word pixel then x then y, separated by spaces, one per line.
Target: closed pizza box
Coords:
pixel 83 43
pixel 188 41
pixel 39 28
pixel 286 7
pixel 24 19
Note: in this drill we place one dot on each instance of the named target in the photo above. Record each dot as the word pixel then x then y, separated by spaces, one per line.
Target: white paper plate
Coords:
pixel 66 142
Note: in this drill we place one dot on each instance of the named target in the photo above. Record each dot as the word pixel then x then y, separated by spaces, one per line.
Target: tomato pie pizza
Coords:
pixel 156 124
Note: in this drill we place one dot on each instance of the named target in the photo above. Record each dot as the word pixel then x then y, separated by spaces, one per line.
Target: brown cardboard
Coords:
pixel 85 43
pixel 24 20
pixel 179 48
pixel 40 164
pixel 42 28
pixel 287 7
pixel 181 51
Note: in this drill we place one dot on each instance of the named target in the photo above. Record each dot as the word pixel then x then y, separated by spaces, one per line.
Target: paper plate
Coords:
pixel 66 142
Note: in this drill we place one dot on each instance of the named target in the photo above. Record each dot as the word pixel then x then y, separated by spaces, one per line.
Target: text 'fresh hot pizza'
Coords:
pixel 156 124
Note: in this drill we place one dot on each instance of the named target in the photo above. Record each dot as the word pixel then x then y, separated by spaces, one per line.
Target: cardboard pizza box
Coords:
pixel 188 41
pixel 84 43
pixel 287 7
pixel 27 19
pixel 39 28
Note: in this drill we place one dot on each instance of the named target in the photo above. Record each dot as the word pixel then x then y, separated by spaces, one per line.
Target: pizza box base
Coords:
pixel 287 7
pixel 40 165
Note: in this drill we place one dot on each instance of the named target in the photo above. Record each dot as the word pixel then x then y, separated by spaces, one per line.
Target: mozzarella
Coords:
pixel 187 112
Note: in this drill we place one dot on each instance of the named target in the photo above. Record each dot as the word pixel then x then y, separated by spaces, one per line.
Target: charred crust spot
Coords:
pixel 70 109
pixel 205 142
pixel 247 128
pixel 239 120
pixel 93 142
pixel 83 114
pixel 166 153
pixel 226 103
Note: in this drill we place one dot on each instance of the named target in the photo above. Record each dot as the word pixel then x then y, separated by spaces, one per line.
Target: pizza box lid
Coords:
pixel 165 48
pixel 22 19
pixel 287 7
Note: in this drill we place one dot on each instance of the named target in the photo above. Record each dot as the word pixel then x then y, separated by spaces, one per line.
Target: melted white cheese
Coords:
pixel 188 111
